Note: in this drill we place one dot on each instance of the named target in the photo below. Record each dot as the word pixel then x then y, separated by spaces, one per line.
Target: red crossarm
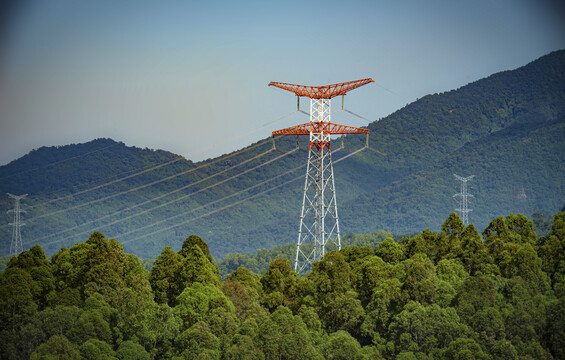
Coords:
pixel 320 128
pixel 322 92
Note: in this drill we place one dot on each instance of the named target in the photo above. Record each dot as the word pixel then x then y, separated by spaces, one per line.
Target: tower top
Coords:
pixel 464 179
pixel 322 92
pixel 17 197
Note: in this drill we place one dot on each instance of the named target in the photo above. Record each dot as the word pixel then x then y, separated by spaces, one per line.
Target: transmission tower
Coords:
pixel 463 198
pixel 319 223
pixel 16 247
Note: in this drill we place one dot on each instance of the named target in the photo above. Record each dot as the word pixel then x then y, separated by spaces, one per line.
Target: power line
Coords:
pixel 168 193
pixel 66 197
pixel 352 113
pixel 169 162
pixel 211 204
pixel 225 198
pixel 158 181
pixel 215 211
pixel 203 189
pixel 106 184
pixel 57 162
pixel 155 182
pixel 158 197
pixel 392 92
pixel 187 195
pixel 92 202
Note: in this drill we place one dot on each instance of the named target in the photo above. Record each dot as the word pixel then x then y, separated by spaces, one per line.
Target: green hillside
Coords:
pixel 507 130
pixel 520 157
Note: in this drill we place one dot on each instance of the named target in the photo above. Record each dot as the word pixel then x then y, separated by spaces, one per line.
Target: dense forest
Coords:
pixel 507 129
pixel 452 294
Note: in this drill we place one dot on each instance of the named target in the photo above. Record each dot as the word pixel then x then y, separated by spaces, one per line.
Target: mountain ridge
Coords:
pixel 424 142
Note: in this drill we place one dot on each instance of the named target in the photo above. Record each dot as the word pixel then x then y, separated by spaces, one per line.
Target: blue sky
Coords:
pixel 185 76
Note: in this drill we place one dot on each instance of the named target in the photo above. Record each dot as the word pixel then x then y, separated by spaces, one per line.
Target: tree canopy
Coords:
pixel 440 295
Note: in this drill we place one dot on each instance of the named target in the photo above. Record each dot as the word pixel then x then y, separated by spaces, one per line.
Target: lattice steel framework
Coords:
pixel 319 222
pixel 16 247
pixel 463 198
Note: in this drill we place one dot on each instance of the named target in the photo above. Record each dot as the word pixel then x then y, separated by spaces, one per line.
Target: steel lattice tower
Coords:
pixel 16 247
pixel 463 198
pixel 319 222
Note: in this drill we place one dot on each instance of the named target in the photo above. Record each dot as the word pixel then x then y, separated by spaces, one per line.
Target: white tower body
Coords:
pixel 319 223
pixel 16 247
pixel 463 199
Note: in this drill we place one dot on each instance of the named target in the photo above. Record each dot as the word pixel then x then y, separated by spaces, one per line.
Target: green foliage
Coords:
pixel 279 284
pixel 96 265
pixel 192 241
pixel 503 349
pixel 243 348
pixel 551 250
pixel 341 345
pixel 445 295
pixel 244 290
pixel 371 239
pixel 94 349
pixel 258 263
pixel 385 302
pixel 57 347
pixel 419 281
pixel 173 272
pixel 464 348
pixel 285 336
pixel 197 267
pixel 198 342
pixel 197 301
pixel 556 327
pixel 16 298
pixel 390 251
pixel 165 275
pixel 36 264
pixel 129 350
pixel 4 260
pixel 160 327
pixel 368 272
pixel 421 328
pixel 332 274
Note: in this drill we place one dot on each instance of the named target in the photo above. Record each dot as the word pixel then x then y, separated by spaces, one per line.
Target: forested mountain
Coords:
pixel 437 295
pixel 507 130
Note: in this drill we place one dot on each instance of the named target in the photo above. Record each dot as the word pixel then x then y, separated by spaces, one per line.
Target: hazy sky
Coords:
pixel 184 76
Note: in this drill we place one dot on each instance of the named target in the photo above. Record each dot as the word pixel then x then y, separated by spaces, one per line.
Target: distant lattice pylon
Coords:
pixel 16 247
pixel 522 194
pixel 463 199
pixel 319 223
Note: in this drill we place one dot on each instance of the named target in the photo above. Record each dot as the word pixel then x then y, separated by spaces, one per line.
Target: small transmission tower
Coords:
pixel 319 223
pixel 16 246
pixel 463 198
